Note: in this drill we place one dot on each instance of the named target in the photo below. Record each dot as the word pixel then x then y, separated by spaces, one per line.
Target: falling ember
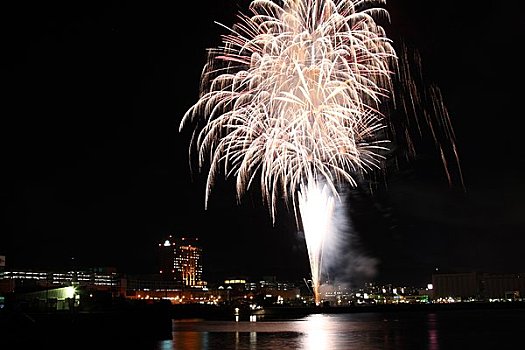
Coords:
pixel 296 97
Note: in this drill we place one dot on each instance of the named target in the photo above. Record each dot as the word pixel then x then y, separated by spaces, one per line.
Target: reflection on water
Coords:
pixel 362 331
pixel 433 336
pixel 315 332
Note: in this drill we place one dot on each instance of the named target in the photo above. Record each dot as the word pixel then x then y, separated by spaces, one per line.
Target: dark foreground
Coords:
pixel 131 323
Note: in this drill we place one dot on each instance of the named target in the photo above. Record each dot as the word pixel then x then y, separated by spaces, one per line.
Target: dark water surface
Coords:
pixel 451 329
pixel 476 329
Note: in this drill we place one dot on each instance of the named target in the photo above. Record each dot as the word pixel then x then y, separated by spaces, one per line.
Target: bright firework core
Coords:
pixel 316 205
pixel 295 97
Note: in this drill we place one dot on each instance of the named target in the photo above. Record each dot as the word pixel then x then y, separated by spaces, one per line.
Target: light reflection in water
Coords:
pixel 316 332
pixel 433 335
pixel 187 341
pixel 239 344
pixel 165 345
pixel 357 331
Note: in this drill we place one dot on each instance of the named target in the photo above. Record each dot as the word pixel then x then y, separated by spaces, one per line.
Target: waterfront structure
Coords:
pixel 60 290
pixel 91 279
pixel 508 286
pixel 475 286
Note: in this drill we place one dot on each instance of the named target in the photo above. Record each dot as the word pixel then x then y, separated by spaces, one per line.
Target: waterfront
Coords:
pixel 409 330
pixel 400 329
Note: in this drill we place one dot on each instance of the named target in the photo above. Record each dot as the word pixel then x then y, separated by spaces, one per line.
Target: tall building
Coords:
pixel 166 258
pixel 181 260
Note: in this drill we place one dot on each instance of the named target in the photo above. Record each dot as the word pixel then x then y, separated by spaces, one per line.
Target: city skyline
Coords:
pixel 95 163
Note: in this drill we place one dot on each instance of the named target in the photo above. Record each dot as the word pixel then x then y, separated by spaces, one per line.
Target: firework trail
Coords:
pixel 296 97
pixel 316 206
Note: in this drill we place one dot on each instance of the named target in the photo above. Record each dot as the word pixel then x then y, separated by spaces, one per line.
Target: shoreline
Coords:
pixel 228 312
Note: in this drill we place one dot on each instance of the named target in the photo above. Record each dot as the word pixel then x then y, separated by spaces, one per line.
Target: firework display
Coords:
pixel 296 98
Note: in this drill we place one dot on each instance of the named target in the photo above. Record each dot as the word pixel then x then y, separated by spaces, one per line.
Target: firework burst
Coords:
pixel 294 94
pixel 295 98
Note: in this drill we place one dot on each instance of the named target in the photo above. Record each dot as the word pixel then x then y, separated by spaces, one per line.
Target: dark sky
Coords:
pixel 95 170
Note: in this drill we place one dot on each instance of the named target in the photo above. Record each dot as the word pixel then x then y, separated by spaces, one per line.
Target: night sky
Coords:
pixel 96 173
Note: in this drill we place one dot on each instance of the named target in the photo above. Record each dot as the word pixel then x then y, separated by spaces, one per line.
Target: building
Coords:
pixel 456 286
pixel 107 280
pixel 506 286
pixel 478 286
pixel 60 290
pixel 181 260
